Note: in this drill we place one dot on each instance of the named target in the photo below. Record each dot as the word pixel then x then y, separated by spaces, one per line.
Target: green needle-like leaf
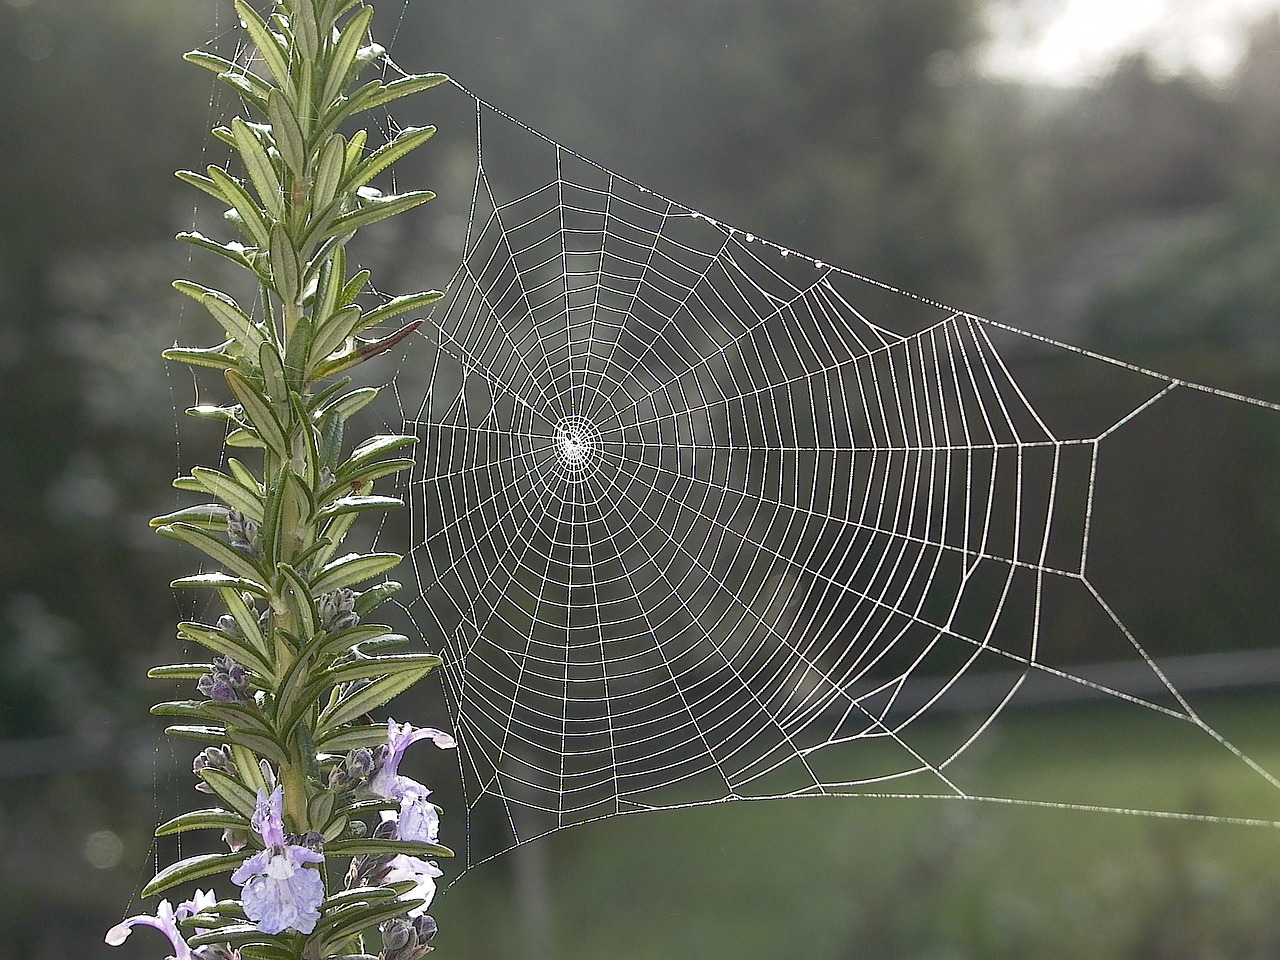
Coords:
pixel 354 568
pixel 245 437
pixel 399 305
pixel 201 734
pixel 353 738
pixel 375 447
pixel 306 30
pixel 367 698
pixel 248 941
pixel 380 209
pixel 407 140
pixel 225 310
pixel 376 93
pixel 220 580
pixel 372 598
pixel 336 929
pixel 216 357
pixel 297 595
pixel 270 49
pixel 248 500
pixel 286 273
pixel 344 54
pixel 381 666
pixel 179 671
pixel 369 846
pixel 249 769
pixel 359 895
pixel 235 252
pixel 209 819
pixel 296 694
pixel 221 553
pixel 259 167
pixel 328 171
pixel 334 333
pixel 192 868
pixel 274 382
pixel 355 286
pixel 200 182
pixel 258 409
pixel 239 797
pixel 250 215
pixel 261 744
pixel 357 504
pixel 210 517
pixel 249 84
pixel 288 132
pixel 335 644
pixel 243 651
pixel 246 620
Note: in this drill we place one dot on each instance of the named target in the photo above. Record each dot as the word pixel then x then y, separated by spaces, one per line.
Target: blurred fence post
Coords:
pixel 531 865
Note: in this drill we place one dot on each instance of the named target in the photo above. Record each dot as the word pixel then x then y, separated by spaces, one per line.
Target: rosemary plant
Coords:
pixel 326 840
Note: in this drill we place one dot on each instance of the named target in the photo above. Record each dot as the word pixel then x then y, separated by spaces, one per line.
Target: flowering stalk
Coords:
pixel 298 769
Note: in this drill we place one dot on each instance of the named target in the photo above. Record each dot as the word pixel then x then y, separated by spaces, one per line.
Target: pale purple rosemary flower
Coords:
pixel 423 873
pixel 280 891
pixel 166 921
pixel 387 782
pixel 419 819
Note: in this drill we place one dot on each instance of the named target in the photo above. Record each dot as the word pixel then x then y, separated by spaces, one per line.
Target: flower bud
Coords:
pixel 312 840
pixel 337 610
pixel 214 758
pixel 344 621
pixel 407 939
pixel 355 769
pixel 215 951
pixel 326 608
pixel 424 925
pixel 395 935
pixel 227 682
pixel 236 840
pixel 242 533
pixel 360 763
pixel 369 870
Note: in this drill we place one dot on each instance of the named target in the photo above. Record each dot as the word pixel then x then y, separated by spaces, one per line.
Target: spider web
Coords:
pixel 697 518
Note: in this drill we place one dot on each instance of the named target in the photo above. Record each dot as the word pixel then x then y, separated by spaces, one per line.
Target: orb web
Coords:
pixel 697 518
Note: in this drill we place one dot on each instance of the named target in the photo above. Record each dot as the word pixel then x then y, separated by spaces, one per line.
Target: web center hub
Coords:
pixel 577 444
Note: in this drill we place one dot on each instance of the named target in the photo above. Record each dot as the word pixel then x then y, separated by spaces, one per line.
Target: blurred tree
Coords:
pixel 1140 142
pixel 826 126
pixel 1217 284
pixel 96 115
pixel 1257 109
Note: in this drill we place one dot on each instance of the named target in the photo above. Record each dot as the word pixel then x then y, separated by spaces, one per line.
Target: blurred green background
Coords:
pixel 1129 203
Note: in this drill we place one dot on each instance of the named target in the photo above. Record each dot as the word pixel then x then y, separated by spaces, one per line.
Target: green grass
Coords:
pixel 841 878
